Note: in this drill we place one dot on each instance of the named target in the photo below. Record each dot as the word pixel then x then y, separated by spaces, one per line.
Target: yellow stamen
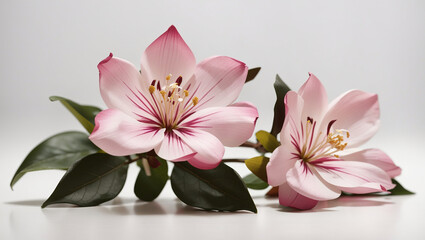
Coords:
pixel 186 93
pixel 195 101
pixel 168 77
pixel 348 134
pixel 151 89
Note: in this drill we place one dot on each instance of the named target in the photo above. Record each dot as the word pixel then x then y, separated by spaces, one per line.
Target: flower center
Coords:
pixel 321 146
pixel 171 101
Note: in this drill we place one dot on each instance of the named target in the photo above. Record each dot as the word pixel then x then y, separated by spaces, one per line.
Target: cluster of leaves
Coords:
pixel 93 176
pixel 258 178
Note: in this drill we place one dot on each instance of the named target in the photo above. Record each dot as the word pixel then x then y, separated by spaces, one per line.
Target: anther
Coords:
pixel 153 82
pixel 330 125
pixel 158 85
pixel 168 77
pixel 179 80
pixel 195 101
pixel 309 119
pixel 151 89
pixel 186 93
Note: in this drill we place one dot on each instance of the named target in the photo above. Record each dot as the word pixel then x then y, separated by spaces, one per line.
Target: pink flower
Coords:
pixel 181 109
pixel 318 158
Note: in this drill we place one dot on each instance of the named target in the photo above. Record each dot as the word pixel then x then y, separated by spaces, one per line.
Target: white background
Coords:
pixel 52 48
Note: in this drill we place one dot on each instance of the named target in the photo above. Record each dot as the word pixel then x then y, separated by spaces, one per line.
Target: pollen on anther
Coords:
pixel 186 93
pixel 168 77
pixel 348 134
pixel 151 89
pixel 195 101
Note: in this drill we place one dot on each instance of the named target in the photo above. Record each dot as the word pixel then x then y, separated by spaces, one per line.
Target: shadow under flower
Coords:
pixel 343 201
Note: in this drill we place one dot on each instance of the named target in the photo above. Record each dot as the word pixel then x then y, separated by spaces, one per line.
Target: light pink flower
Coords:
pixel 181 109
pixel 318 158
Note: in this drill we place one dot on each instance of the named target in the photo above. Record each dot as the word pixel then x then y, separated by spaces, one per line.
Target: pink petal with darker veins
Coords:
pixel 118 134
pixel 357 112
pixel 209 150
pixel 168 54
pixel 354 177
pixel 232 125
pixel 217 81
pixel 375 157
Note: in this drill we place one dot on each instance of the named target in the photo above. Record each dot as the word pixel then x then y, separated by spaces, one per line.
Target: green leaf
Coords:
pixel 252 73
pixel 268 141
pixel 219 189
pixel 91 181
pixel 399 189
pixel 254 182
pixel 257 165
pixel 147 188
pixel 279 107
pixel 57 152
pixel 84 113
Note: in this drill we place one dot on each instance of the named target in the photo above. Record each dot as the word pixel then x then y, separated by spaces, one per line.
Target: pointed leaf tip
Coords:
pixel 252 73
pixel 56 152
pixel 399 189
pixel 279 108
pixel 85 114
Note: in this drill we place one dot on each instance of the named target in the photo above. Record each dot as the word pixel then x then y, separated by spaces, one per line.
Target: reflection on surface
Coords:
pixel 164 218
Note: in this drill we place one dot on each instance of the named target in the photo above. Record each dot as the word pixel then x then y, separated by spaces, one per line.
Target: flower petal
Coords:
pixel 232 125
pixel 375 157
pixel 304 179
pixel 280 162
pixel 354 177
pixel 357 112
pixel 122 87
pixel 217 81
pixel 315 98
pixel 290 198
pixel 118 134
pixel 209 150
pixel 173 148
pixel 291 130
pixel 168 54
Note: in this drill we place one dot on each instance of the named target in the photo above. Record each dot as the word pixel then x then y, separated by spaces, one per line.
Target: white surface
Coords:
pixel 53 47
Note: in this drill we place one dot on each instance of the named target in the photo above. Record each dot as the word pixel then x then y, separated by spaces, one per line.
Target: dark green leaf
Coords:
pixel 84 113
pixel 257 165
pixel 254 182
pixel 268 141
pixel 57 152
pixel 279 107
pixel 252 73
pixel 147 188
pixel 399 189
pixel 219 189
pixel 91 181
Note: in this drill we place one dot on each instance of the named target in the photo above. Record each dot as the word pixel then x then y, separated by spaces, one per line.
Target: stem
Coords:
pixel 238 160
pixel 257 146
pixel 130 160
